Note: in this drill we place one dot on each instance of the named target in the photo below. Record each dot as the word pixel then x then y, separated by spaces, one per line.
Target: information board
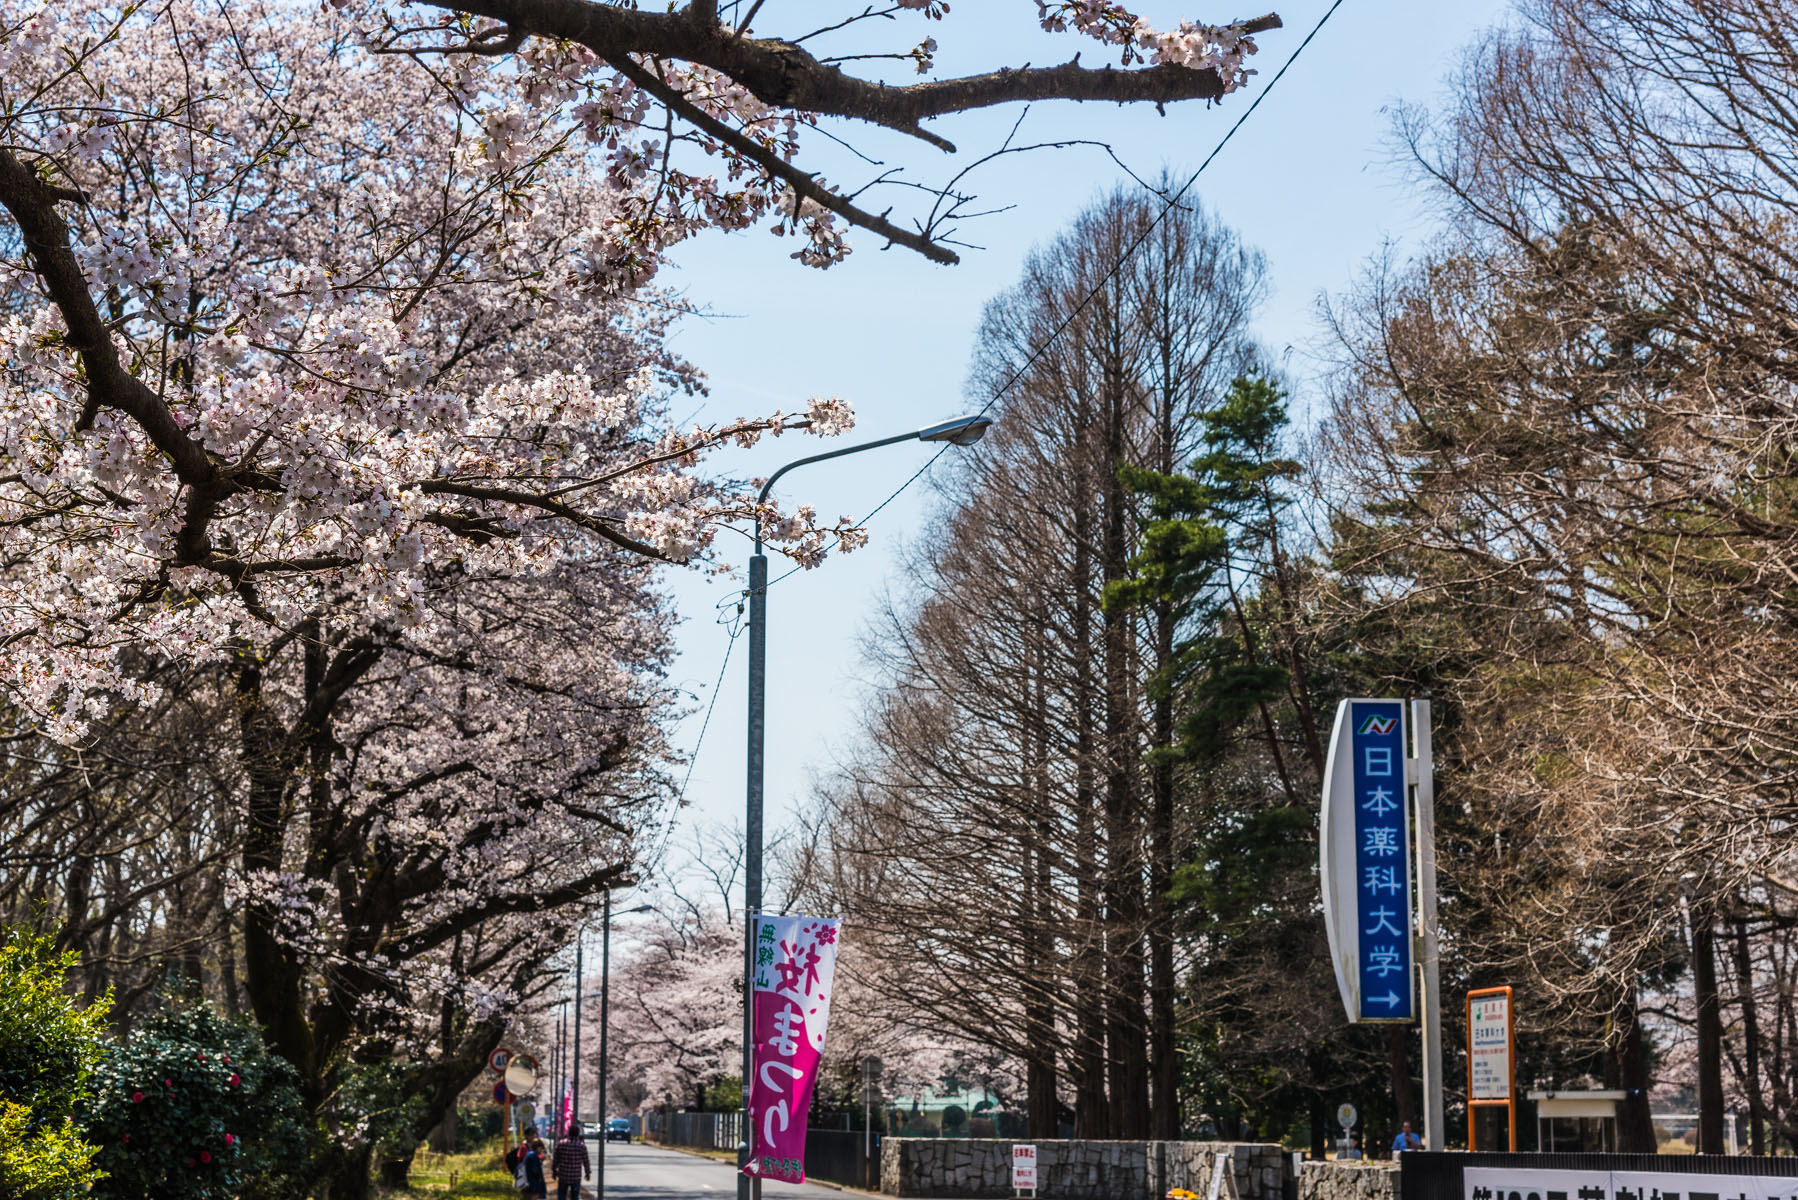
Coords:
pixel 1023 1168
pixel 1489 1044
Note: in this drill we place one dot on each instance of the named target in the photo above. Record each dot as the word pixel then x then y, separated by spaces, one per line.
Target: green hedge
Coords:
pixel 48 1048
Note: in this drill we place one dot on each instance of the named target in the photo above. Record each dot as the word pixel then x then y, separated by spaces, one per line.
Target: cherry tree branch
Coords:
pixel 802 182
pixel 783 74
pixel 574 516
pixel 32 202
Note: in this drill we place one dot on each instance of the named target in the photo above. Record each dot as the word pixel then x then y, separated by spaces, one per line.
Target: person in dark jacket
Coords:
pixel 533 1169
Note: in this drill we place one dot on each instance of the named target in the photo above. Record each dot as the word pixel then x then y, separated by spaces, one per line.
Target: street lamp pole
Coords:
pixel 960 431
pixel 558 1059
pixel 605 997
pixel 605 1012
pixel 574 1087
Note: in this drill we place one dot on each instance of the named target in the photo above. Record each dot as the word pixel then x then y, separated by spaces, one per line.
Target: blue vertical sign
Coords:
pixel 1366 861
pixel 1382 859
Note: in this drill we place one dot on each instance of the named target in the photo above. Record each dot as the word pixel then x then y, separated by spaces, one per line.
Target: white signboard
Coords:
pixel 1504 1183
pixel 1489 1046
pixel 1023 1168
pixel 1648 1185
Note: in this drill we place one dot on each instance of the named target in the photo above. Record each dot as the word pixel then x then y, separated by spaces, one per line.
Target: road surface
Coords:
pixel 640 1172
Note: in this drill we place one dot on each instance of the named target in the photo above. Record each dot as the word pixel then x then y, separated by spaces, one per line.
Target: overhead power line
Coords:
pixel 1012 380
pixel 1035 355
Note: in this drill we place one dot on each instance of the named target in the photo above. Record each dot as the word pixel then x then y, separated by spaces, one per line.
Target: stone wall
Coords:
pixel 1348 1181
pixel 976 1168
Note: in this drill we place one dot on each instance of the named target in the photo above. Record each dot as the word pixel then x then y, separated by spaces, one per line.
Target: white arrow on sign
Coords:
pixel 1390 999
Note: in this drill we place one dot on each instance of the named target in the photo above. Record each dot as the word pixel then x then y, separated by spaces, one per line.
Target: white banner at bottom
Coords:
pixel 1505 1183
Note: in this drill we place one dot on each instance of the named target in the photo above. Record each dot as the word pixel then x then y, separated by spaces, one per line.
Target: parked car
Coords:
pixel 590 1129
pixel 618 1129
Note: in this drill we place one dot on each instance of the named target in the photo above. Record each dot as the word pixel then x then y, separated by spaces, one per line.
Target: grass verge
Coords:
pixel 479 1173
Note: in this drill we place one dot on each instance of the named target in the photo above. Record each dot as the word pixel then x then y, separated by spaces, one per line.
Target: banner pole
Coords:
pixel 1424 768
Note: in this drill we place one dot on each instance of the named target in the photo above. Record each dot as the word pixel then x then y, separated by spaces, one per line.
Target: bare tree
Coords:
pixel 1004 772
pixel 1565 442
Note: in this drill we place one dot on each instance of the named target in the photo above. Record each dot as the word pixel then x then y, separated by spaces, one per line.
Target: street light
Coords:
pixel 605 963
pixel 871 1068
pixel 960 431
pixel 605 1012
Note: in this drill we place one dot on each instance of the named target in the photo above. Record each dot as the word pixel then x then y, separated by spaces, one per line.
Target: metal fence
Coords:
pixel 695 1130
pixel 836 1155
pixel 839 1156
pixel 1437 1176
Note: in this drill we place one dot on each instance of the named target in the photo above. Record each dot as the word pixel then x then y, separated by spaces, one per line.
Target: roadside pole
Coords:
pixel 1423 779
pixel 750 1187
pixel 1377 870
pixel 580 948
pixel 605 999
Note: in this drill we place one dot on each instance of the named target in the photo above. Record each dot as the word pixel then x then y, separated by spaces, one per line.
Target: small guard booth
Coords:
pixel 1576 1121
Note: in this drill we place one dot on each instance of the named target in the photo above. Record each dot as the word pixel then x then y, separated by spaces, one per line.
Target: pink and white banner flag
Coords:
pixel 795 958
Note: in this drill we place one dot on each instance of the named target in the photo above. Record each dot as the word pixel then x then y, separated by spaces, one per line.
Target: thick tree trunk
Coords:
pixel 228 981
pixel 1092 1117
pixel 1039 1015
pixel 307 1036
pixel 1635 1124
pixel 443 1137
pixel 1164 1054
pixel 1036 903
pixel 1751 1038
pixel 272 975
pixel 439 1084
pixel 1165 1117
pixel 1125 1027
pixel 1710 1031
pixel 342 1170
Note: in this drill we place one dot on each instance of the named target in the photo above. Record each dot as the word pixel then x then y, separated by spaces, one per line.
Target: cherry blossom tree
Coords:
pixel 677 1009
pixel 301 332
pixel 428 818
pixel 332 385
pixel 677 1019
pixel 747 98
pixel 297 298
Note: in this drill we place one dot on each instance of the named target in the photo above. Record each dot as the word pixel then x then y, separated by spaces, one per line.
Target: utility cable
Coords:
pixel 1129 251
pixel 1036 355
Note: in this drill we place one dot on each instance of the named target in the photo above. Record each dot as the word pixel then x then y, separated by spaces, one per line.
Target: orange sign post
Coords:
pixel 1491 1059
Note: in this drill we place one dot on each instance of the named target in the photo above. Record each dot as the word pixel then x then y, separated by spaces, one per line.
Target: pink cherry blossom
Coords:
pixel 394 340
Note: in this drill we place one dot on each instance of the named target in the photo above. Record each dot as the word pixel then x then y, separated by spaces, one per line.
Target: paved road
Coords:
pixel 640 1172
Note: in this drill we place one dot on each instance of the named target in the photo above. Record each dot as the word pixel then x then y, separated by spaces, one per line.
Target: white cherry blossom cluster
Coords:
pixel 1194 45
pixel 418 337
pixel 476 756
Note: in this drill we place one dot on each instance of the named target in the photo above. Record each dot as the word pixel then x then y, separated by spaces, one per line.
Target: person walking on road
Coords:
pixel 533 1170
pixel 571 1164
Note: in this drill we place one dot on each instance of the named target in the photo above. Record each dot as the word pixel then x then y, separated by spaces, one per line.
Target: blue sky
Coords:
pixel 1310 180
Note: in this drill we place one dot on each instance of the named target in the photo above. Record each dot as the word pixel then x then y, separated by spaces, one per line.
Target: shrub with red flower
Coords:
pixel 176 1141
